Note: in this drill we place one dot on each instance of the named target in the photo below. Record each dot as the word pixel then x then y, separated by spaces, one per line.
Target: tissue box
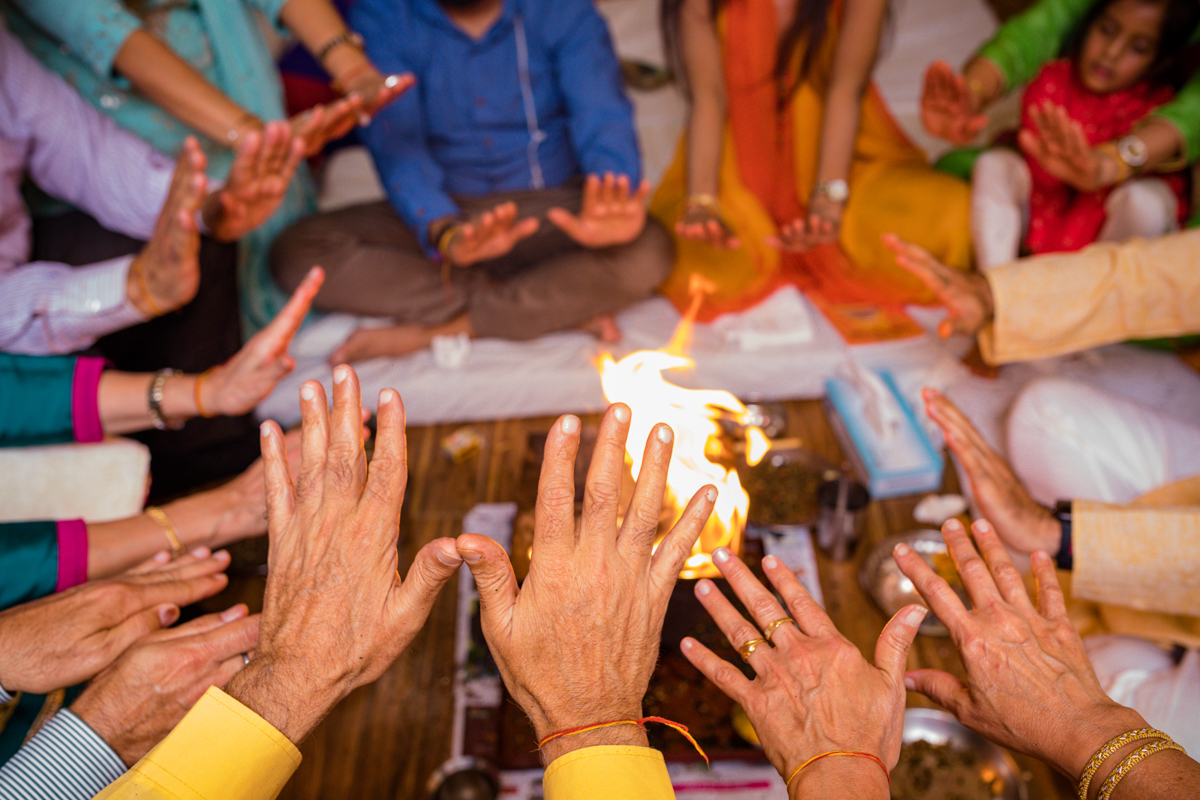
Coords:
pixel 906 463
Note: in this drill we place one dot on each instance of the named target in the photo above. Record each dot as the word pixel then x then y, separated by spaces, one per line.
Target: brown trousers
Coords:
pixel 374 266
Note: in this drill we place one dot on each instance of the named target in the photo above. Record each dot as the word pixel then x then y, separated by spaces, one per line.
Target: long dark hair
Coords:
pixel 1176 57
pixel 809 26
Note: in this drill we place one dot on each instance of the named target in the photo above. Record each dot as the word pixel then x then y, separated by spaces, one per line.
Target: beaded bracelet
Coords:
pixel 1110 784
pixel 1089 772
pixel 641 723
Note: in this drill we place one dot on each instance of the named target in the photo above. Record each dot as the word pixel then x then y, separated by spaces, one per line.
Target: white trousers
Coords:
pixel 1000 189
pixel 1069 440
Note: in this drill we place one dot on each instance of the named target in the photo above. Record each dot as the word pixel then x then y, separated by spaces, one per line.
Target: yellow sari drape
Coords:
pixel 768 170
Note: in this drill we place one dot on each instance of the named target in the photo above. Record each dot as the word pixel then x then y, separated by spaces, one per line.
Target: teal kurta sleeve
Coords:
pixel 36 394
pixel 94 30
pixel 28 561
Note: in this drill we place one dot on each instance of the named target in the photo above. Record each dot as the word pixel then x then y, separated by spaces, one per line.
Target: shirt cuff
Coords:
pixel 91 303
pixel 593 773
pixel 66 760
pixel 85 399
pixel 72 553
pixel 4 696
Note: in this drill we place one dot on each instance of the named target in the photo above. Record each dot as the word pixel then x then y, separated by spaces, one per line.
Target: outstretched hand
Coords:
pixel 819 227
pixel 336 613
pixel 967 296
pixel 705 224
pixel 947 110
pixel 612 212
pixel 377 91
pixel 577 641
pixel 1060 146
pixel 241 383
pixel 491 235
pixel 258 179
pixel 813 692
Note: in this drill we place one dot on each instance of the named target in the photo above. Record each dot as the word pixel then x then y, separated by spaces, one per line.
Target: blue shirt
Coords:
pixel 464 128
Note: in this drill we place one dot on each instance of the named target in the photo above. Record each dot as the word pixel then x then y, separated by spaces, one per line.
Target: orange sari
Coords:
pixel 768 170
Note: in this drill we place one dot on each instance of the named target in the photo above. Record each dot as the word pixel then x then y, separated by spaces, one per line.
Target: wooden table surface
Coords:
pixel 385 740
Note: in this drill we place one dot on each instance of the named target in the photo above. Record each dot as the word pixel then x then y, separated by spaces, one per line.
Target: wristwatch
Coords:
pixel 154 401
pixel 347 36
pixel 1132 151
pixel 836 190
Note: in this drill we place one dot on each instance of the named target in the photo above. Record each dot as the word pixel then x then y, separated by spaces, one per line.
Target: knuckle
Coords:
pixel 556 496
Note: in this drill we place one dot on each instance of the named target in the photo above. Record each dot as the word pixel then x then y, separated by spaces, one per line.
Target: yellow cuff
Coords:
pixel 604 773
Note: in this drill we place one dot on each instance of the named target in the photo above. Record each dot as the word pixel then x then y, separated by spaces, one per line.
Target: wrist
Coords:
pixel 840 776
pixel 238 130
pixel 101 720
pixel 179 397
pixel 287 693
pixel 138 292
pixel 1091 732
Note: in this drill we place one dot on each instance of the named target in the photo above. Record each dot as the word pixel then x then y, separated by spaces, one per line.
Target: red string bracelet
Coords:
pixel 876 759
pixel 641 723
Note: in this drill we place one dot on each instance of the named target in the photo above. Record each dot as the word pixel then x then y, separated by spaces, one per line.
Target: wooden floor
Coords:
pixel 385 740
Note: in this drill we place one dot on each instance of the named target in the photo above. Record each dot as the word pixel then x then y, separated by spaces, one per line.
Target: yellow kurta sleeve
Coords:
pixel 1109 292
pixel 220 751
pixel 608 773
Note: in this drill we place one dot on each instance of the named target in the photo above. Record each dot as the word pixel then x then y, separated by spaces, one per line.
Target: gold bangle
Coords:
pixel 1131 761
pixel 706 201
pixel 160 518
pixel 1115 744
pixel 1124 170
pixel 445 237
pixel 245 119
pixel 196 393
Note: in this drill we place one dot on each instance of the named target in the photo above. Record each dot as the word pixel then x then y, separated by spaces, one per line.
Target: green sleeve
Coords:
pixel 1029 40
pixel 1184 113
pixel 36 399
pixel 28 561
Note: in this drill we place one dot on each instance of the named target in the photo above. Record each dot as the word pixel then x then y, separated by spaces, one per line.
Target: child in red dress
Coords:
pixel 1125 65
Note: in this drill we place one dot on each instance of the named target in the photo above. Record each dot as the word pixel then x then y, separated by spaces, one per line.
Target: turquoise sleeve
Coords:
pixel 28 561
pixel 94 30
pixel 36 400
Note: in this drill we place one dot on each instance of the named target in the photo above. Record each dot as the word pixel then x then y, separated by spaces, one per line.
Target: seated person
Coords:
pixel 1123 64
pixel 490 227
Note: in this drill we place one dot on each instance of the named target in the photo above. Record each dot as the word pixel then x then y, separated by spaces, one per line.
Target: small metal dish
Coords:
pixel 890 589
pixel 940 728
pixel 808 471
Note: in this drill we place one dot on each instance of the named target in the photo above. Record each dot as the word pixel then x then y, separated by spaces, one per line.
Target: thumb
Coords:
pixel 494 577
pixel 891 651
pixel 564 220
pixel 940 687
pixel 141 624
pixel 434 565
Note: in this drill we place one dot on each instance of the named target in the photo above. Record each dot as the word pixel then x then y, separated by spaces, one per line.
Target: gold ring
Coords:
pixel 771 628
pixel 749 647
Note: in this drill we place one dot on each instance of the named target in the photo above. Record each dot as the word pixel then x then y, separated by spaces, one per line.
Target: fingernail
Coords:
pixel 391 81
pixel 622 414
pixel 232 613
pixel 340 374
pixel 449 560
pixel 910 684
pixel 307 392
pixel 168 615
pixel 983 526
pixel 200 552
pixel 569 424
pixel 721 554
pixel 916 615
pixel 952 524
pixel 471 556
pixel 687 644
pixel 664 434
pixel 161 557
pixel 770 562
pixel 712 494
pixel 265 429
pixel 385 397
pixel 901 549
pixel 703 587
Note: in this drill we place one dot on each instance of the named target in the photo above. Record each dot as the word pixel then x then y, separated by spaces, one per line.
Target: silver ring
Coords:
pixel 245 659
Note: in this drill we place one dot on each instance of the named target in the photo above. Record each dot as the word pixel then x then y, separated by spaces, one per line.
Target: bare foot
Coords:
pixel 395 341
pixel 603 327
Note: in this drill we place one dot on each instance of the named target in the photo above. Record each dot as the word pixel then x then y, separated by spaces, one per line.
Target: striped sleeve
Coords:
pixel 67 760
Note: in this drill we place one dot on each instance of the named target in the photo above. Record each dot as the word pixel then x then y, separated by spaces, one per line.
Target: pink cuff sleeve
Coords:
pixel 85 399
pixel 72 554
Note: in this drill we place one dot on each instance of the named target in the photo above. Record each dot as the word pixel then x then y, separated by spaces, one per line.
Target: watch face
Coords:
pixel 836 190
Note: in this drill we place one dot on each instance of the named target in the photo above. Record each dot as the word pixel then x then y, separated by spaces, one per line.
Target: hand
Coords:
pixel 258 179
pixel 1022 524
pixel 948 110
pixel 813 692
pixel 492 235
pixel 335 612
pixel 1030 686
pixel 322 124
pixel 577 642
pixel 821 227
pixel 242 382
pixel 136 702
pixel 377 91
pixel 703 223
pixel 967 296
pixel 166 274
pixel 1062 149
pixel 611 214
pixel 64 639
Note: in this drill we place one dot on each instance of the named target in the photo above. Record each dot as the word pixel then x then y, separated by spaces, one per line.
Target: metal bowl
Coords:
pixel 890 589
pixel 940 728
pixel 818 470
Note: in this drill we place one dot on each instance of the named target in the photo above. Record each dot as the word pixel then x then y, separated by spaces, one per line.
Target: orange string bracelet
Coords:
pixel 196 393
pixel 147 297
pixel 641 723
pixel 876 759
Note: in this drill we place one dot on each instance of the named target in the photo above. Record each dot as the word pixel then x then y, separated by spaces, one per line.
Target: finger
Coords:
pixel 229 639
pixel 972 569
pixel 554 515
pixel 941 599
pixel 1007 577
pixel 346 467
pixel 940 687
pixel 388 474
pixel 204 624
pixel 179 592
pixel 133 628
pixel 198 563
pixel 279 332
pixel 605 476
pixel 280 492
pixel 436 563
pixel 494 578
pixel 809 616
pixel 1051 603
pixel 640 527
pixel 149 565
pixel 591 194
pixel 525 228
pixel 735 627
pixel 620 190
pixel 757 600
pixel 676 547
pixel 567 222
pixel 314 444
pixel 891 651
pixel 725 676
pixel 643 193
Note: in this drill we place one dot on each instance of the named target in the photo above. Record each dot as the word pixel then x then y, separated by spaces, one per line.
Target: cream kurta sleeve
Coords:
pixel 608 773
pixel 1109 292
pixel 220 751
